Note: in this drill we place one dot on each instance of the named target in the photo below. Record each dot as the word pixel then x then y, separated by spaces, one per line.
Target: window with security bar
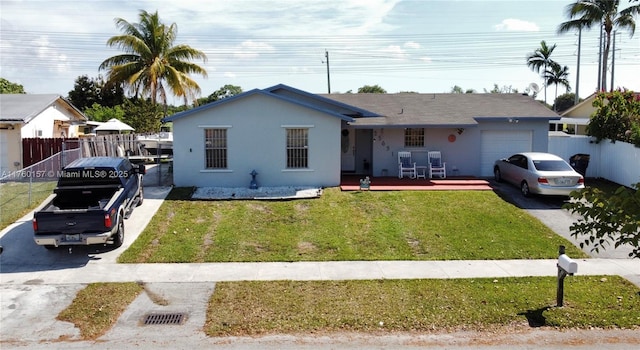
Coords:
pixel 215 141
pixel 297 148
pixel 414 137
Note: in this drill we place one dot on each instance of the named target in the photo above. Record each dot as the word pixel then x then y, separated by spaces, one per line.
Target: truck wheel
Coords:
pixel 118 238
pixel 140 197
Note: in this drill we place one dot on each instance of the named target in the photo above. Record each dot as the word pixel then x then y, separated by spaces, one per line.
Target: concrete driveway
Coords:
pixel 22 254
pixel 549 211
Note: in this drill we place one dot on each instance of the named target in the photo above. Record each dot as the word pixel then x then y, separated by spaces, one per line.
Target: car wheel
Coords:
pixel 118 238
pixel 524 189
pixel 496 174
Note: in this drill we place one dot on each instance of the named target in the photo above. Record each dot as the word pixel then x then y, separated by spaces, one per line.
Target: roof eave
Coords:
pixel 363 112
pixel 249 93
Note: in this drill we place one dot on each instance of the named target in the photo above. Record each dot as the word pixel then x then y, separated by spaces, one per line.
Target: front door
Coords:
pixel 348 150
pixel 364 151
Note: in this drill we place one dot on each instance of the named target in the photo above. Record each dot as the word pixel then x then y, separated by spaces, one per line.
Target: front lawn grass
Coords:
pixel 258 308
pixel 97 307
pixel 394 225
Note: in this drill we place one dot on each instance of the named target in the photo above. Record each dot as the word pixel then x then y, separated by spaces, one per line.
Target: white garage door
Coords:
pixel 497 144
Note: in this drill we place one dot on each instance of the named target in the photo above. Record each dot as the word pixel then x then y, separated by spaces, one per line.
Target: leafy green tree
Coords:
pixel 540 59
pixel 143 115
pixel 372 89
pixel 7 87
pixel 501 90
pixel 588 13
pixel 557 75
pixel 456 90
pixel 151 60
pixel 607 219
pixel 111 95
pixel 617 117
pixel 565 101
pixel 85 93
pixel 101 113
pixel 89 91
pixel 223 92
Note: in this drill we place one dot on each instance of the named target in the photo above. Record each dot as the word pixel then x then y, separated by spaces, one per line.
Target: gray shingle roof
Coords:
pixel 412 109
pixel 24 107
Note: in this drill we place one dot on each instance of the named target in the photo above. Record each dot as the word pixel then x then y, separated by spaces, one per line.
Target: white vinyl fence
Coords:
pixel 618 162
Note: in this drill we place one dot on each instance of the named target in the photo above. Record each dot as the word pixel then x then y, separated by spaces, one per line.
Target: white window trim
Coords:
pixel 301 170
pixel 205 170
pixel 289 170
pixel 297 126
pixel 424 140
pixel 216 171
pixel 215 126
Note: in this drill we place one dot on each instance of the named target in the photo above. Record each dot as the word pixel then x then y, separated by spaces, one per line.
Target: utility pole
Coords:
pixel 326 56
pixel 577 97
pixel 613 58
pixel 600 61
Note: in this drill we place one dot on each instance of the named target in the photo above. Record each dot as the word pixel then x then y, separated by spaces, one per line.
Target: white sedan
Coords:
pixel 538 173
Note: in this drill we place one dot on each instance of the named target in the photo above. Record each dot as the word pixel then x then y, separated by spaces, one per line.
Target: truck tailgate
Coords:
pixel 71 221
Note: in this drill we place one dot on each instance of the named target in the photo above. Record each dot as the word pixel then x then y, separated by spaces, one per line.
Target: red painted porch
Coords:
pixel 390 183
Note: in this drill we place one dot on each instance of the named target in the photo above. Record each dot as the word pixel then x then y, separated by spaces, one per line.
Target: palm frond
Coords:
pixel 151 59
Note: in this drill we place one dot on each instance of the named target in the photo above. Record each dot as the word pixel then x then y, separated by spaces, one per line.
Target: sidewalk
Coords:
pixel 311 271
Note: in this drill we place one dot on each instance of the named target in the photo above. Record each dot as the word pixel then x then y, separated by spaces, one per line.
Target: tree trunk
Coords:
pixel 545 86
pixel 605 58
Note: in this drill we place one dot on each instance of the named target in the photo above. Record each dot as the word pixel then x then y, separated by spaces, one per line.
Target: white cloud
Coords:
pixel 411 45
pixel 516 25
pixel 302 70
pixel 279 17
pixel 58 61
pixel 395 51
pixel 252 49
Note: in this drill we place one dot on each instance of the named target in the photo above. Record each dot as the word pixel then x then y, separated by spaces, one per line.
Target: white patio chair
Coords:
pixel 436 166
pixel 406 165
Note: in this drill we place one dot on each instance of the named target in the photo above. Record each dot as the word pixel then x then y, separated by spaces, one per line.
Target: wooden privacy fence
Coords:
pixel 38 149
pixel 35 150
pixel 114 145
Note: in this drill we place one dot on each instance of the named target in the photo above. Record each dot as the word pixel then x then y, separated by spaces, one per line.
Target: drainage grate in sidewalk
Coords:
pixel 164 319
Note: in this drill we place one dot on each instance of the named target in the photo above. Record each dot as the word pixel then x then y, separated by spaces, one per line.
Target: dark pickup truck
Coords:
pixel 89 205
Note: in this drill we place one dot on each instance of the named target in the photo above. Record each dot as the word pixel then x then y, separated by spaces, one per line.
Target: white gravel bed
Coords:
pixel 272 193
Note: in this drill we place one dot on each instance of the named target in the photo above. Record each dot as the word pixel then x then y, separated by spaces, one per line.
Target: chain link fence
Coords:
pixel 22 189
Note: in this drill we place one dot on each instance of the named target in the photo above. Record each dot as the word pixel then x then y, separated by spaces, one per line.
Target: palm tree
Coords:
pixel 151 60
pixel 587 13
pixel 540 59
pixel 557 75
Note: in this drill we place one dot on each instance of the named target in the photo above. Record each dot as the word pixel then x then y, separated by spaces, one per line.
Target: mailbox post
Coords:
pixel 566 266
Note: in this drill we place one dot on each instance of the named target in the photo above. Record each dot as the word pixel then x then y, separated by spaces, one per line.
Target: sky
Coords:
pixel 401 45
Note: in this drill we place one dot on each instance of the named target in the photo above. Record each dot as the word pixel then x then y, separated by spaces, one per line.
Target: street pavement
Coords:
pixel 36 284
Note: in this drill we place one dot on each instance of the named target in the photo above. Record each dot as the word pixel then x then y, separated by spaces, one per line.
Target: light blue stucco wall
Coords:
pixel 462 156
pixel 256 139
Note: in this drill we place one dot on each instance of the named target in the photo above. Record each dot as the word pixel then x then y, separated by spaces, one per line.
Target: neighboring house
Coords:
pixel 295 138
pixel 89 129
pixel 29 116
pixel 575 119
